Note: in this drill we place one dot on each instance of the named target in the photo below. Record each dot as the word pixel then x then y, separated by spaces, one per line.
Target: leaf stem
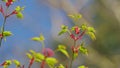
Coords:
pixel 71 62
pixel 3 26
pixel 43 44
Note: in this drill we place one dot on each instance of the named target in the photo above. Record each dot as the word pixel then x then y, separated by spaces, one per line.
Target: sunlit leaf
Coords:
pixel 4 0
pixel 64 52
pixel 82 66
pixel 92 35
pixel 62 49
pixel 29 55
pixel 19 9
pixel 8 62
pixel 36 39
pixel 41 37
pixel 91 29
pixel 78 16
pixel 7 0
pixel 13 0
pixel 64 27
pixel 19 15
pixel 7 33
pixel 16 62
pixel 84 27
pixel 51 62
pixel 83 50
pixel 75 16
pixel 39 57
pixel 60 66
pixel 63 30
pixel 75 55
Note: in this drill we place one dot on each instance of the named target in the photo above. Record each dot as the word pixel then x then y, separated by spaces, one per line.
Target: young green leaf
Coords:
pixel 29 55
pixel 75 16
pixel 19 9
pixel 7 33
pixel 62 49
pixel 92 35
pixel 84 27
pixel 39 57
pixel 41 37
pixel 83 50
pixel 63 30
pixel 75 55
pixel 82 66
pixel 19 15
pixel 51 62
pixel 36 39
pixel 4 0
pixel 8 62
pixel 17 63
pixel 60 66
pixel 91 29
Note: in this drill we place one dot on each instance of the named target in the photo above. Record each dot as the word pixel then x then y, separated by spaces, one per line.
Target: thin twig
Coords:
pixel 3 26
pixel 72 55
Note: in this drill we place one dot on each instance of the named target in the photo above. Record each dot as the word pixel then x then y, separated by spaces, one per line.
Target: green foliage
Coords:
pixel 7 33
pixel 37 56
pixel 75 55
pixel 90 31
pixel 62 49
pixel 82 66
pixel 64 29
pixel 4 0
pixel 75 16
pixel 17 63
pixel 92 35
pixel 18 9
pixel 29 55
pixel 83 50
pixel 51 62
pixel 84 27
pixel 19 15
pixel 7 63
pixel 39 39
pixel 60 66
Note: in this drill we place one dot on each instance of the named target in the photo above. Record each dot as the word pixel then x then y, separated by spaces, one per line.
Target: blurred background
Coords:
pixel 46 17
